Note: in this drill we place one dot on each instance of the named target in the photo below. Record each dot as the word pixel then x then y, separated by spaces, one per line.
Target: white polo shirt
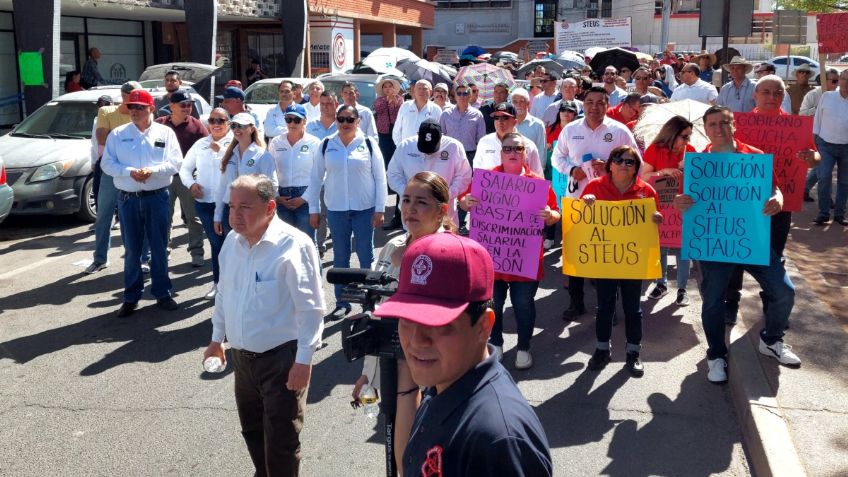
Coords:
pixel 294 161
pixel 699 91
pixel 275 122
pixel 831 120
pixel 127 149
pixel 409 118
pixel 489 154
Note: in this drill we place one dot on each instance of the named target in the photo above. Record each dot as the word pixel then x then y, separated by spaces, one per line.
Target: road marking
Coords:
pixel 41 262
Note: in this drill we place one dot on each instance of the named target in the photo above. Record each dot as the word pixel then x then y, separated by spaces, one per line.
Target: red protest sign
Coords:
pixel 783 137
pixel 832 33
pixel 671 228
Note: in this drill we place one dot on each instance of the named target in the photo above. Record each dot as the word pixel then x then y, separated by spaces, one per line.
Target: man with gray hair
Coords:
pixel 313 106
pixel 413 112
pixel 568 90
pixel 270 308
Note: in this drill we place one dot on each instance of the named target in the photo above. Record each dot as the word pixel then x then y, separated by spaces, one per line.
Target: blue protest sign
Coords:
pixel 726 222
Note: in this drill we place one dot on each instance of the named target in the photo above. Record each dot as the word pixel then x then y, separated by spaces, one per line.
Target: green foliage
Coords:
pixel 823 6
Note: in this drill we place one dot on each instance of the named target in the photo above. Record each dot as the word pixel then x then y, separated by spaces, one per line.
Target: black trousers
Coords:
pixel 780 225
pixel 271 416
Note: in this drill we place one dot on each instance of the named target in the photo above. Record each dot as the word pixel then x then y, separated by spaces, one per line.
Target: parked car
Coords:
pixel 779 63
pixel 7 195
pixel 262 95
pixel 48 155
pixel 364 84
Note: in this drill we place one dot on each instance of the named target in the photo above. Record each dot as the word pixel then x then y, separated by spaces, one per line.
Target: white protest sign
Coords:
pixel 603 32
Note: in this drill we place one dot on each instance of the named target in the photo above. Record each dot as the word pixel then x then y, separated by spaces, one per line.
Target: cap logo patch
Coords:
pixel 428 137
pixel 422 267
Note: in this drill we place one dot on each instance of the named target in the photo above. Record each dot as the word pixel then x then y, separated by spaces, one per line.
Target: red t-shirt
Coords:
pixel 660 157
pixel 603 189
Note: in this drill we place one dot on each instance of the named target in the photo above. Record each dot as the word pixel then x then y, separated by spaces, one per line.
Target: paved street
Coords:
pixel 86 393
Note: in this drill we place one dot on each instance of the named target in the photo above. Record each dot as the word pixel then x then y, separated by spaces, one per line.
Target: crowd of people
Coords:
pixel 262 189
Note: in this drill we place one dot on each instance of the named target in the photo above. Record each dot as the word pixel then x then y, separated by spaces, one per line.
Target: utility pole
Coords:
pixel 666 22
pixel 725 40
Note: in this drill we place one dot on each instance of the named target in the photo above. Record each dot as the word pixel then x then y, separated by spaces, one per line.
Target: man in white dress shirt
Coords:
pixel 413 112
pixel 269 307
pixel 693 87
pixel 275 119
pixel 544 99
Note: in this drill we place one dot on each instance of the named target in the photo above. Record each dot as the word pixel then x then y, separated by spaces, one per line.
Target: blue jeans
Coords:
pixel 631 296
pixel 682 267
pixel 347 224
pixel 774 281
pixel 107 200
pixel 145 217
pixel 206 213
pixel 225 221
pixel 812 179
pixel 522 295
pixel 298 217
pixel 832 155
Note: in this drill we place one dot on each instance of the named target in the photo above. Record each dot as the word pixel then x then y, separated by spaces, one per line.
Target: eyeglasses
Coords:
pixel 136 107
pixel 501 118
pixel 512 148
pixel 217 121
pixel 239 126
pixel 463 93
pixel 640 78
pixel 622 161
pixel 544 81
pixel 345 119
pixel 185 105
pixel 293 119
pixel 609 74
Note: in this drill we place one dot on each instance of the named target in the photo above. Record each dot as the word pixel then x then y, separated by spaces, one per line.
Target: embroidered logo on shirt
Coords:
pixel 608 137
pixel 250 162
pixel 304 148
pixel 422 267
pixel 444 155
pixel 432 466
pixel 360 148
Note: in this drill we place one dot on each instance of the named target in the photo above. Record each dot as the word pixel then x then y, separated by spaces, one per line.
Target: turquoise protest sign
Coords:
pixel 726 222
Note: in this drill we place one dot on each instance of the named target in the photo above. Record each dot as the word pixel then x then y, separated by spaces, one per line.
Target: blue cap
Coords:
pixel 180 96
pixel 296 110
pixel 233 93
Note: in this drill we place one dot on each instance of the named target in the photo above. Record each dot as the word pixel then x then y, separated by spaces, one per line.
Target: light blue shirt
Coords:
pixel 318 130
pixel 617 96
pixel 739 100
pixel 128 149
pixel 534 129
pixel 353 177
pixel 366 121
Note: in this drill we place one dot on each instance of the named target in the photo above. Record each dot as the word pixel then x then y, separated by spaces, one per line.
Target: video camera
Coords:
pixel 362 334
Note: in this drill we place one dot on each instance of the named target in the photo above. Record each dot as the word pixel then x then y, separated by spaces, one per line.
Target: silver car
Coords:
pixel 7 195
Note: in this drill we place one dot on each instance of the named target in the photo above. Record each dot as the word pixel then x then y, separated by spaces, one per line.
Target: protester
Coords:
pixel 665 80
pixel 444 326
pixel 764 69
pixel 568 89
pixel 693 87
pixel 527 125
pixel 350 93
pixel 297 94
pixel 830 128
pixel 440 95
pixel 245 155
pixel 233 101
pixel 628 110
pixel 414 111
pixel 705 61
pixel 621 183
pixel 269 308
pixel 294 155
pixel 719 127
pixel 275 120
pixel 522 291
pixel 172 81
pixel 546 97
pixel 500 94
pixel 808 108
pixel 424 207
pixel 800 88
pixel 322 128
pixel 591 137
pixel 642 81
pixel 386 108
pixel 489 148
pixel 142 157
pixel 72 82
pixel 313 106
pixel 664 158
pixel 738 93
pixel 201 174
pixel 350 168
pixel 614 93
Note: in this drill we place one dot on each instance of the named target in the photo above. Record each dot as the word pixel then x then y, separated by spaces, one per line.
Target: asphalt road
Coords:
pixel 86 393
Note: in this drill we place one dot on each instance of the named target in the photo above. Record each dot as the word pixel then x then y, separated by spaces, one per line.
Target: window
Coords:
pixel 544 17
pixel 779 61
pixel 267 48
pixel 592 11
pixel 606 8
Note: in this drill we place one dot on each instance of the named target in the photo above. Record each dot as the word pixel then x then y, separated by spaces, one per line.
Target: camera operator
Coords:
pixel 444 303
pixel 424 208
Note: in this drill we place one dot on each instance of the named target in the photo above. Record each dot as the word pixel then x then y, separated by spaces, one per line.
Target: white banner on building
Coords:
pixel 603 32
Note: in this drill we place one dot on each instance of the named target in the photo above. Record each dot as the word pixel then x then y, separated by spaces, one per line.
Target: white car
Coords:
pixel 263 95
pixel 48 155
pixel 779 63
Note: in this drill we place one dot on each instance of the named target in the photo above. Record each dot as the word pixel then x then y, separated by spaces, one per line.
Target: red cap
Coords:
pixel 140 96
pixel 235 83
pixel 439 276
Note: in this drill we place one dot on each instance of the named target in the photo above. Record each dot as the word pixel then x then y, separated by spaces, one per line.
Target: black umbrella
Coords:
pixel 731 52
pixel 614 57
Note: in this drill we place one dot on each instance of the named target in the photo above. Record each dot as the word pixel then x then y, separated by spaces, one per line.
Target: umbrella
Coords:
pixel 643 57
pixel 617 57
pixel 591 52
pixel 376 68
pixel 731 52
pixel 388 57
pixel 654 116
pixel 474 51
pixel 428 70
pixel 504 57
pixel 571 60
pixel 549 65
pixel 485 76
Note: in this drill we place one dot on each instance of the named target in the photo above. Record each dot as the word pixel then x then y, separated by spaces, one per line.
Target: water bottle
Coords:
pixel 213 364
pixel 368 399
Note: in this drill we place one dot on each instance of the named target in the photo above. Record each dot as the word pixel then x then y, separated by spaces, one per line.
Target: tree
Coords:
pixel 821 6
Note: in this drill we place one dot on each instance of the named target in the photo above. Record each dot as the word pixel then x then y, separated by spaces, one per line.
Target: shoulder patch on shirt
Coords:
pixel 304 148
pixel 250 162
pixel 608 137
pixel 432 466
pixel 444 155
pixel 360 148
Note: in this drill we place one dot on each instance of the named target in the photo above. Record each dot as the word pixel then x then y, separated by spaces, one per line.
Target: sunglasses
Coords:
pixel 345 119
pixel 512 148
pixel 609 74
pixel 833 81
pixel 136 107
pixel 626 162
pixel 640 78
pixel 293 119
pixel 501 118
pixel 217 121
pixel 239 126
pixel 185 105
pixel 544 81
pixel 463 93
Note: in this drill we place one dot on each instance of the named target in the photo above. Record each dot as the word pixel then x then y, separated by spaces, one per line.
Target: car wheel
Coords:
pixel 87 210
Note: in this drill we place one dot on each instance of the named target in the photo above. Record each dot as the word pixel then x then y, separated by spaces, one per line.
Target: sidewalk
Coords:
pixel 795 421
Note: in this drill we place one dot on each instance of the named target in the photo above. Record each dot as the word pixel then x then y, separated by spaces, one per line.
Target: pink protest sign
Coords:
pixel 781 136
pixel 671 229
pixel 833 36
pixel 505 220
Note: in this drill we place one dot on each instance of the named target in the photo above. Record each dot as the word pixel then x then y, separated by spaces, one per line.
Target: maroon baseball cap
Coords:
pixel 140 96
pixel 439 276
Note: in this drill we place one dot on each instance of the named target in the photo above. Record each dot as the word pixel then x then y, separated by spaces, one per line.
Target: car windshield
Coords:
pixel 366 90
pixel 62 120
pixel 264 93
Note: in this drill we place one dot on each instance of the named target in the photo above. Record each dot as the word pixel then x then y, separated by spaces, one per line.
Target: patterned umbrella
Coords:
pixel 485 76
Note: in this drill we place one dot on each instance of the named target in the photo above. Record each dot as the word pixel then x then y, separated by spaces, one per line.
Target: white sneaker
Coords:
pixel 782 352
pixel 523 360
pixel 548 244
pixel 499 352
pixel 717 370
pixel 210 295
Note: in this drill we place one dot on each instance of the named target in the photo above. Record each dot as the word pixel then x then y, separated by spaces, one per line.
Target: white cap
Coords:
pixel 244 119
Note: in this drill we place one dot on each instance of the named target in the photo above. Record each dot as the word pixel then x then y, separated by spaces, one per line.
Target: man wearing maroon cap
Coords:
pixel 443 301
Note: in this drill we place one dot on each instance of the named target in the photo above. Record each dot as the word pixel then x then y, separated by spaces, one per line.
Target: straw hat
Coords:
pixel 379 87
pixel 705 54
pixel 738 60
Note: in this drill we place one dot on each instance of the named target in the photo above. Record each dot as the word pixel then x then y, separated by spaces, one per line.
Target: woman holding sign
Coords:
pixel 522 291
pixel 622 182
pixel 663 160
